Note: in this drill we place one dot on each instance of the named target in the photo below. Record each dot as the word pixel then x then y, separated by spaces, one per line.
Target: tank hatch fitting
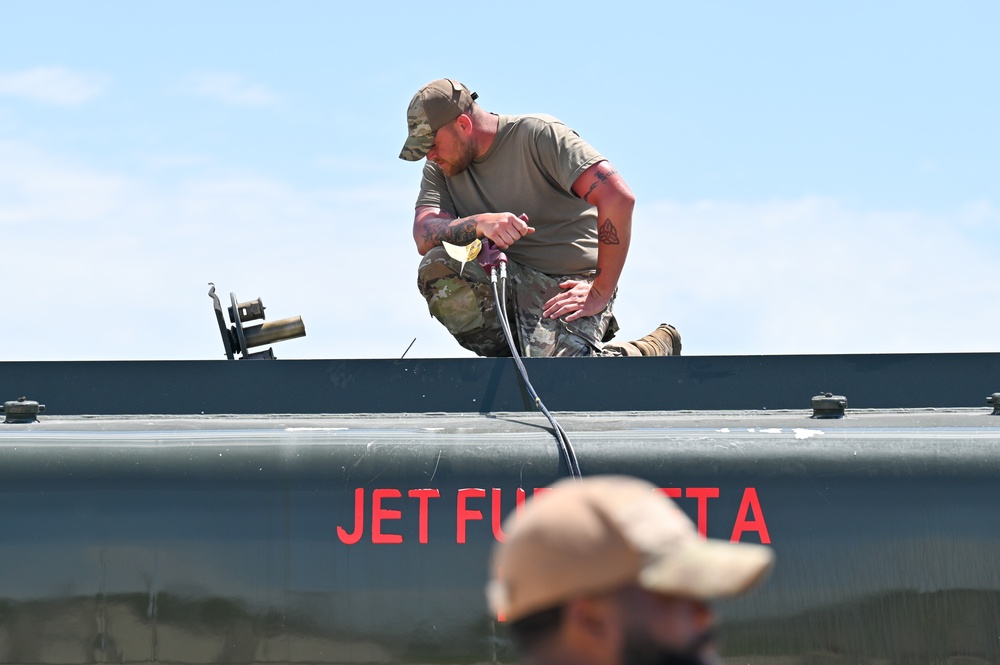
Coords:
pixel 829 405
pixel 21 411
pixel 994 400
pixel 239 339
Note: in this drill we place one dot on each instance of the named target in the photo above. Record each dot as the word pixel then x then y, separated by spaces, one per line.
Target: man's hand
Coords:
pixel 578 299
pixel 432 225
pixel 503 228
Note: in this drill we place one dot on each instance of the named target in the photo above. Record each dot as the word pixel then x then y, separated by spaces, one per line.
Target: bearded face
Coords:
pixel 641 649
pixel 451 151
pixel 665 630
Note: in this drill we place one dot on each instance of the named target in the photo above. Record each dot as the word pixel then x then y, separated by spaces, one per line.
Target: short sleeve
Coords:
pixel 563 154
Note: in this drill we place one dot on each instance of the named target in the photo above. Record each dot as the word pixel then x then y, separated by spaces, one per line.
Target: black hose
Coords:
pixel 562 440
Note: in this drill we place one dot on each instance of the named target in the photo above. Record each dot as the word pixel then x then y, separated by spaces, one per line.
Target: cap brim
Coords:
pixel 411 151
pixel 417 144
pixel 707 569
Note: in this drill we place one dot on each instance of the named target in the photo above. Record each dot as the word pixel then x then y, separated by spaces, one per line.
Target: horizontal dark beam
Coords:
pixel 493 385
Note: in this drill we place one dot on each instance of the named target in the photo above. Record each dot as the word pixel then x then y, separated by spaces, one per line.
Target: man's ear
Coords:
pixel 463 124
pixel 595 627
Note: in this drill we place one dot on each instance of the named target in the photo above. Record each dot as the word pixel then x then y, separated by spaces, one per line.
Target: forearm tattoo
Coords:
pixel 607 234
pixel 601 179
pixel 457 232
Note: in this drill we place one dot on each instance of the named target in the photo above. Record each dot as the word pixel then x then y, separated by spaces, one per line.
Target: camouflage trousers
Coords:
pixel 465 305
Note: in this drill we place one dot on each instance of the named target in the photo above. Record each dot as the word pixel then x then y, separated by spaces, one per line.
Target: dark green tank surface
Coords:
pixel 364 538
pixel 487 385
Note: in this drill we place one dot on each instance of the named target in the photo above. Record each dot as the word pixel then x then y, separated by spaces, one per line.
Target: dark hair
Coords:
pixel 527 633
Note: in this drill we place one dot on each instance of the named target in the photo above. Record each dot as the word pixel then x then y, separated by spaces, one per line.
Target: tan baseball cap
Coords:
pixel 434 106
pixel 605 532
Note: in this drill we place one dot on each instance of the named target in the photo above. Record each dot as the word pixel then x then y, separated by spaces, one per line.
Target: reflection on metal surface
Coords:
pixel 953 626
pixel 118 629
pixel 948 626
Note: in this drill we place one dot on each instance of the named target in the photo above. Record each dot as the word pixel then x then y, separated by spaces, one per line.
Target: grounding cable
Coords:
pixel 562 440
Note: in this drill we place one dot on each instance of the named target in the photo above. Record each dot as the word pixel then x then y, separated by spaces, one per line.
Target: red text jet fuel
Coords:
pixel 388 505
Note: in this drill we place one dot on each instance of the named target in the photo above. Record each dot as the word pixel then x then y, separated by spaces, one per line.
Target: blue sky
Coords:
pixel 811 177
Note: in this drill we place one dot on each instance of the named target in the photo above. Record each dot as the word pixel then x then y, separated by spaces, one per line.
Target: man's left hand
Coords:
pixel 578 299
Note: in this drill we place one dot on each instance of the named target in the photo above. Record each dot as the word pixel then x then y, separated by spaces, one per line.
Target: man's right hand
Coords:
pixel 503 228
pixel 432 225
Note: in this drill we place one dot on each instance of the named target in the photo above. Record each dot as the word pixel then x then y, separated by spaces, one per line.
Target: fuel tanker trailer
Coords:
pixel 343 511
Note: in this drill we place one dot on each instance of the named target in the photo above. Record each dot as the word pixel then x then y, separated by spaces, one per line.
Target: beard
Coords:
pixel 460 163
pixel 641 649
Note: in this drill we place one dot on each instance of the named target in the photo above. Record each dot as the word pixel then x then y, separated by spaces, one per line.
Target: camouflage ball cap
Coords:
pixel 434 106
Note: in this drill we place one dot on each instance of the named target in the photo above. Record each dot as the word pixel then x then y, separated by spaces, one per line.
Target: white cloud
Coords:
pixel 231 89
pixel 116 267
pixel 53 85
pixel 811 276
pixel 38 191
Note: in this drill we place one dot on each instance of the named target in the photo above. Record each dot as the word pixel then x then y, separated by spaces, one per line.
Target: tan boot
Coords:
pixel 664 341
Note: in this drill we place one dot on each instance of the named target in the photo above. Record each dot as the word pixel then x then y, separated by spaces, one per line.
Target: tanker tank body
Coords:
pixel 304 511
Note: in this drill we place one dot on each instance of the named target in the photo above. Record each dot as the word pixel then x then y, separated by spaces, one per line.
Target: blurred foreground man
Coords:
pixel 530 186
pixel 608 571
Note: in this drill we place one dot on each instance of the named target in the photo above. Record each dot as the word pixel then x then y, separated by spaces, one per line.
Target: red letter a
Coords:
pixel 750 501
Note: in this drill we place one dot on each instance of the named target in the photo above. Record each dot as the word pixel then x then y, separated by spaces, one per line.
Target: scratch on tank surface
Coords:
pixel 348 473
pixel 823 496
pixel 736 444
pixel 436 463
pixel 374 478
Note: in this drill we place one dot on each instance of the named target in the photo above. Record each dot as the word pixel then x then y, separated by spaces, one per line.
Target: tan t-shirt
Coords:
pixel 530 168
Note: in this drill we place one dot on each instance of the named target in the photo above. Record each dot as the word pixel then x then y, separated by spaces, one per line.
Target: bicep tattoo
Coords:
pixel 601 179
